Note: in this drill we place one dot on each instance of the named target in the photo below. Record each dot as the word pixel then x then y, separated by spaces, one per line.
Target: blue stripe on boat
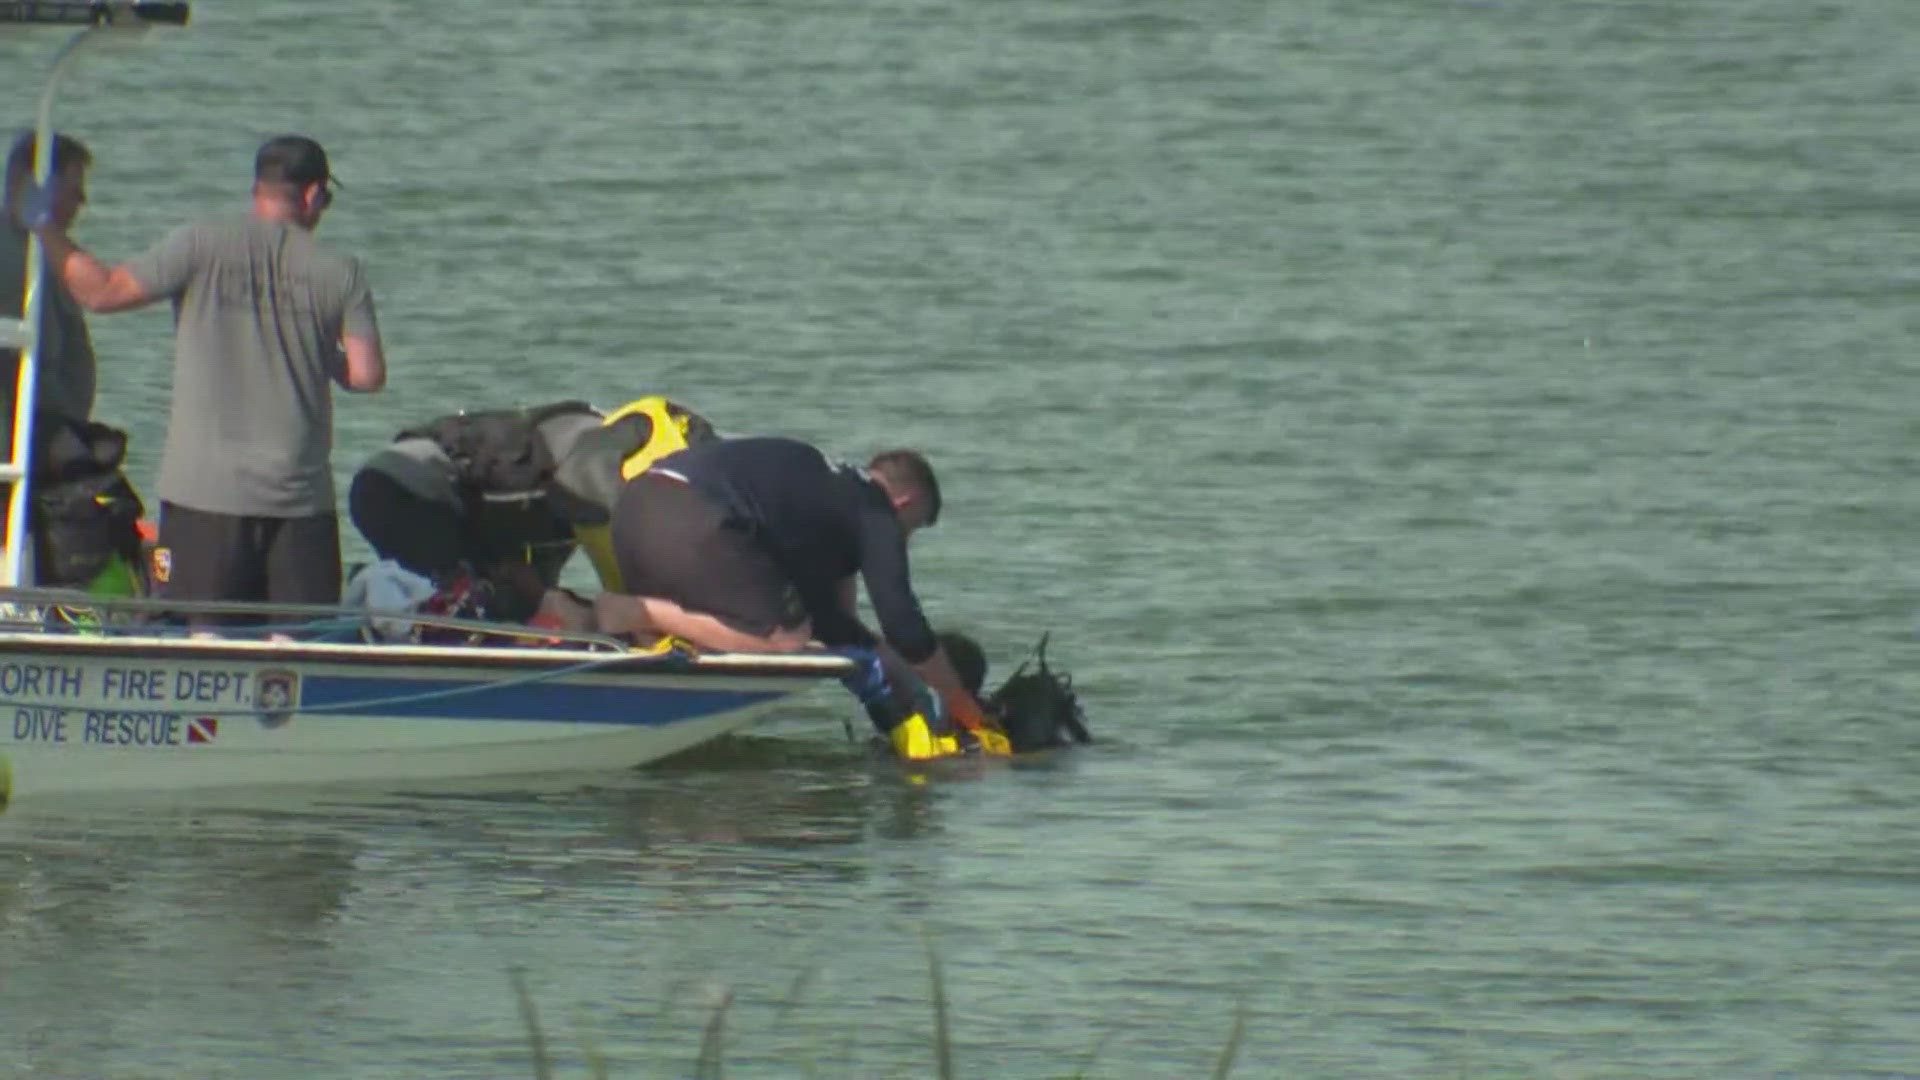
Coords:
pixel 551 701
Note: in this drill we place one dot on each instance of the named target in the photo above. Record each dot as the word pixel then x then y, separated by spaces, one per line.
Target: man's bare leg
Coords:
pixel 563 610
pixel 616 613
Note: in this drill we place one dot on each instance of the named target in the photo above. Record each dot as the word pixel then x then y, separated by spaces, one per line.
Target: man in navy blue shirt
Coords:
pixel 755 544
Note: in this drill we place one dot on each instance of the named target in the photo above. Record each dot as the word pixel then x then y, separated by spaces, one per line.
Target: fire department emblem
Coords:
pixel 276 693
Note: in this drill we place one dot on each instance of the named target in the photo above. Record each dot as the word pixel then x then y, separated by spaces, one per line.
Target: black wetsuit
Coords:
pixel 760 532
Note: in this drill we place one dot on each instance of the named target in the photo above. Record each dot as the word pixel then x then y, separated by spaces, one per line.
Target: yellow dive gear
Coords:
pixel 913 739
pixel 668 427
pixel 992 741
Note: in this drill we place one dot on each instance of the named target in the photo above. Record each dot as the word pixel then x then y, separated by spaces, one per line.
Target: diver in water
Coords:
pixel 1035 707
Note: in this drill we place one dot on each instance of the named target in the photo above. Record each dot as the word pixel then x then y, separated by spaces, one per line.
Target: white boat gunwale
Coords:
pixel 815 665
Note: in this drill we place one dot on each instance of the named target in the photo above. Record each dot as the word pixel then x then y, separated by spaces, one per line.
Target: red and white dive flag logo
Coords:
pixel 202 730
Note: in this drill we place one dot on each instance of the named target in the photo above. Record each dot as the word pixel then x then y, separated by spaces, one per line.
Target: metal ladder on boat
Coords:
pixel 20 335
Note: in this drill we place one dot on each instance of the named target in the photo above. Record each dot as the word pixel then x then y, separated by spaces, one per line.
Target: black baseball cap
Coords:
pixel 292 159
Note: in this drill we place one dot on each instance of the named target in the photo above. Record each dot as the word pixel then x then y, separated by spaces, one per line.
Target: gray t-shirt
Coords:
pixel 65 379
pixel 259 309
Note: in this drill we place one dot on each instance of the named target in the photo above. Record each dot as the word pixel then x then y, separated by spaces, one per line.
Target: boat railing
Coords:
pixel 38 610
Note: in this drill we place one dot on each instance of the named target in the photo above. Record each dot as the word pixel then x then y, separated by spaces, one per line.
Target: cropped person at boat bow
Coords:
pixel 65 377
pixel 754 545
pixel 65 370
pixel 266 321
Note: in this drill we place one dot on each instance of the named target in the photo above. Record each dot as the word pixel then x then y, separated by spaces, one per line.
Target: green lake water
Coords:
pixel 1464 452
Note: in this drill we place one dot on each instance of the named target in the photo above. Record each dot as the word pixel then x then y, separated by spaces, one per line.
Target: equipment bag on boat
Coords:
pixel 85 514
pixel 498 451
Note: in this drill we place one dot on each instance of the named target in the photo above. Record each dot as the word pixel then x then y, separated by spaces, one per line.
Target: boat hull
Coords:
pixel 81 715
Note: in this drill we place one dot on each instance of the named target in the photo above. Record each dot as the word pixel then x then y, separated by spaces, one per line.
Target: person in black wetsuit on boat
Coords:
pixel 506 495
pixel 754 544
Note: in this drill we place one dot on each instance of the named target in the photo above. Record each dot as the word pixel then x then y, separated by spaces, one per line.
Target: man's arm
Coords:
pixel 365 369
pixel 936 670
pixel 889 586
pixel 831 608
pixel 939 673
pixel 93 285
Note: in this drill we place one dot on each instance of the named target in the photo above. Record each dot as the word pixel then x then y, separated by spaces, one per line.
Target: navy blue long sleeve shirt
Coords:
pixel 822 522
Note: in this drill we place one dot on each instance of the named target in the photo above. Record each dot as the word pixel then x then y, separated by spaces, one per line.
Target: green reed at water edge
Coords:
pixel 709 1064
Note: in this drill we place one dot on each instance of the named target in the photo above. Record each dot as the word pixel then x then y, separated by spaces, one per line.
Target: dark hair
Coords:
pixel 66 150
pixel 969 660
pixel 292 159
pixel 909 470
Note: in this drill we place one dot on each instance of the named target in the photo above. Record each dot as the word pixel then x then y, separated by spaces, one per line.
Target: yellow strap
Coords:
pixel 668 432
pixel 993 742
pixel 663 645
pixel 597 542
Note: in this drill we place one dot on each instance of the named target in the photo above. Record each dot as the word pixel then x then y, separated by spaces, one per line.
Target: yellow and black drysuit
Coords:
pixel 485 491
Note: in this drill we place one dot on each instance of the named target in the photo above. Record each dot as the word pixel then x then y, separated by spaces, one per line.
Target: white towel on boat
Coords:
pixel 388 586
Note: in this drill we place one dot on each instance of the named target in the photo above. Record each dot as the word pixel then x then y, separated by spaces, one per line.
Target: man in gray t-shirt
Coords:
pixel 266 320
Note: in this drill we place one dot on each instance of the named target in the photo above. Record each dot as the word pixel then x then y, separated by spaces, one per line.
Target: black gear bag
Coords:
pixel 84 512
